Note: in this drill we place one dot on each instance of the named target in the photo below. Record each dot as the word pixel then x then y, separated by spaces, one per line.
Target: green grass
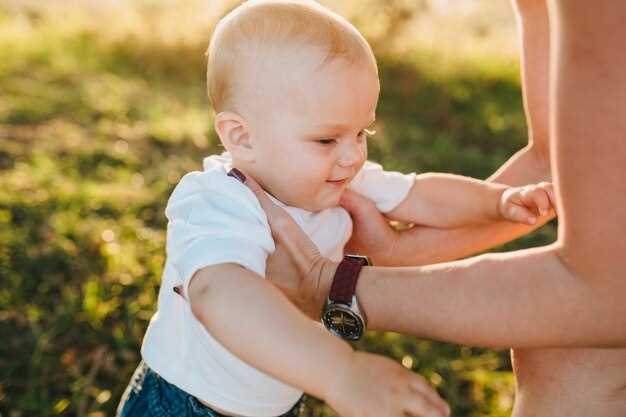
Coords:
pixel 96 130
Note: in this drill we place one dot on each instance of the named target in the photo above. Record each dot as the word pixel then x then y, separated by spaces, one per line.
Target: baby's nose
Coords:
pixel 351 154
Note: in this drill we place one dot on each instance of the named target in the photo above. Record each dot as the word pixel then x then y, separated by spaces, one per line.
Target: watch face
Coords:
pixel 342 322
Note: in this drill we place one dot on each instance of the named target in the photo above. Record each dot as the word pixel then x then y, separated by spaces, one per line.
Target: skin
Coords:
pixel 561 307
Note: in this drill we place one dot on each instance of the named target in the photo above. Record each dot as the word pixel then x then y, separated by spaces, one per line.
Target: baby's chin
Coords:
pixel 316 206
pixel 323 199
pixel 323 206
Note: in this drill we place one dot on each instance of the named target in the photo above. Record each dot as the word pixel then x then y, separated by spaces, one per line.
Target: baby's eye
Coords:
pixel 326 141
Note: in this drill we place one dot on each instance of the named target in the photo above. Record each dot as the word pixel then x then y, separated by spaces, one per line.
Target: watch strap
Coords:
pixel 345 279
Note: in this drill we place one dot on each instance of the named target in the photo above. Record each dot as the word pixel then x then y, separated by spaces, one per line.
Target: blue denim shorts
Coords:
pixel 150 395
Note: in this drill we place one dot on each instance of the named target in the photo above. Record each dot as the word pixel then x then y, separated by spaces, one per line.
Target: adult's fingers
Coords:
pixel 358 206
pixel 271 209
pixel 283 271
pixel 284 229
pixel 371 235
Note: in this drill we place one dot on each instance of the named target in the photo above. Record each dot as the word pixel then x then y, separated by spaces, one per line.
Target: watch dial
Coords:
pixel 343 323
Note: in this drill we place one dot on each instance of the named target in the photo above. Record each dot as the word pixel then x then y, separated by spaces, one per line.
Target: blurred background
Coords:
pixel 103 109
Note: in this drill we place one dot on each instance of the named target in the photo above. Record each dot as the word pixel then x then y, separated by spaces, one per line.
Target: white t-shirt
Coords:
pixel 214 219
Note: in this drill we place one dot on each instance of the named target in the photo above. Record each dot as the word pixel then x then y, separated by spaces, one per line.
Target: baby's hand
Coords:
pixel 372 385
pixel 525 204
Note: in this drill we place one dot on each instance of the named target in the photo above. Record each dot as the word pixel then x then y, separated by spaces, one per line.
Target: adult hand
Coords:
pixel 372 385
pixel 296 267
pixel 372 235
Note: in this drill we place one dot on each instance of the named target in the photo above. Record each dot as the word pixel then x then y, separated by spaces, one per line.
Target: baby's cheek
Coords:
pixel 363 158
pixel 364 152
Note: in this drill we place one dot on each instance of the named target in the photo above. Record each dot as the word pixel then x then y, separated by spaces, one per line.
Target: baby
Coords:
pixel 295 89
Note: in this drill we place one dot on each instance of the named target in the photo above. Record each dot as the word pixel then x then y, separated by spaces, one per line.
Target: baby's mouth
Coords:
pixel 338 182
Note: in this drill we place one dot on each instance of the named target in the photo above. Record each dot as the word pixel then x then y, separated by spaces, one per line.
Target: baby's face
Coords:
pixel 310 140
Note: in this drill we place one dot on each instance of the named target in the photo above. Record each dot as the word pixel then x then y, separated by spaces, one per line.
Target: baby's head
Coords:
pixel 295 88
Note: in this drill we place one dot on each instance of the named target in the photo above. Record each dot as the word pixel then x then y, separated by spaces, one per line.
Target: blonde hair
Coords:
pixel 249 33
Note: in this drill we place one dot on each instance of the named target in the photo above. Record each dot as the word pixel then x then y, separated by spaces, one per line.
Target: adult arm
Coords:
pixel 523 299
pixel 572 293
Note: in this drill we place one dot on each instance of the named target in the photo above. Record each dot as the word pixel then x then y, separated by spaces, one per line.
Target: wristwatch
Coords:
pixel 341 314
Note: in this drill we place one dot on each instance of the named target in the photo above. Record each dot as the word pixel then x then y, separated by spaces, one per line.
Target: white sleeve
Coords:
pixel 385 188
pixel 214 219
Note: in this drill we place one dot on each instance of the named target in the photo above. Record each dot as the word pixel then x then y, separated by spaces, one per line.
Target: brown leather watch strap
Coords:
pixel 345 279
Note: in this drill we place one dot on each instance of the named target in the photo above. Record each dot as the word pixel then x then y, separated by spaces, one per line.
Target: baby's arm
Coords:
pixel 250 317
pixel 256 322
pixel 451 201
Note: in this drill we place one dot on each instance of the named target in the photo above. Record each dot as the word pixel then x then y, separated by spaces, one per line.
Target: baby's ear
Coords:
pixel 235 135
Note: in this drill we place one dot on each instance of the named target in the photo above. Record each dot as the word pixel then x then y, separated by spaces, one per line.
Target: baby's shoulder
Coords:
pixel 212 192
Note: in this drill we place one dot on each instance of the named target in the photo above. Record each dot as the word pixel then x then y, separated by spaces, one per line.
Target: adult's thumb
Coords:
pixel 357 205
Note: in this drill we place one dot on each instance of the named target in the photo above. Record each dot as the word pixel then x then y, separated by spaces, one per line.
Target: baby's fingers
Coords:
pixel 536 198
pixel 520 214
pixel 418 406
pixel 548 187
pixel 426 401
